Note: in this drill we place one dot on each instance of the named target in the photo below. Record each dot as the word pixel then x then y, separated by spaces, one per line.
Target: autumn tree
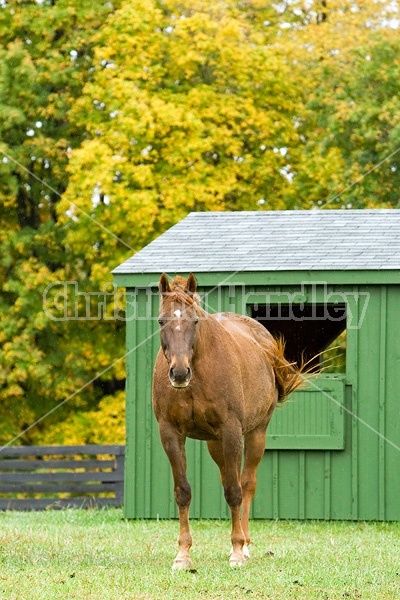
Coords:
pixel 349 155
pixel 188 110
pixel 45 58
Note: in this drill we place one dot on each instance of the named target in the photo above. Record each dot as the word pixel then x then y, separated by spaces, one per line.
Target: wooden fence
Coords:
pixel 40 477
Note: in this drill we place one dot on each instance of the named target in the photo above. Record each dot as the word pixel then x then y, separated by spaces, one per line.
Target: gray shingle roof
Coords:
pixel 274 241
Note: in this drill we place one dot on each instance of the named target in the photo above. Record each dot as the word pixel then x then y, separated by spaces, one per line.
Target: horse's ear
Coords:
pixel 163 286
pixel 191 283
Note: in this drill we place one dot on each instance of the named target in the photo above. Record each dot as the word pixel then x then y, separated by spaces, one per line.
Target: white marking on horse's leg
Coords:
pixel 239 560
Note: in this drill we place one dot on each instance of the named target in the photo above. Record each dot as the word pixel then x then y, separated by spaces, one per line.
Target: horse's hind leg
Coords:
pixel 254 446
pixel 174 447
pixel 227 454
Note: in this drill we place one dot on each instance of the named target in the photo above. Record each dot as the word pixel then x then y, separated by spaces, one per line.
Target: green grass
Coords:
pixel 98 555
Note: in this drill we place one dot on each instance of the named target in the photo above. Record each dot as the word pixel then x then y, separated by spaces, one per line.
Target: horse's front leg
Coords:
pixel 174 446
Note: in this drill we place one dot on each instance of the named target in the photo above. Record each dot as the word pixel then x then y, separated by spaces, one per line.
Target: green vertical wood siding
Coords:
pixel 358 478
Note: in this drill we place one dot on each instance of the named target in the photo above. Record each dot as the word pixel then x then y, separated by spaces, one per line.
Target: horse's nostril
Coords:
pixel 179 374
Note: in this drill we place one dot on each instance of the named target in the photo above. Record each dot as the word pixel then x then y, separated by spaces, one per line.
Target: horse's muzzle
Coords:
pixel 180 376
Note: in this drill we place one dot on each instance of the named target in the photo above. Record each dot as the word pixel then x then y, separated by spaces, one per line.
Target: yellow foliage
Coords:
pixel 105 425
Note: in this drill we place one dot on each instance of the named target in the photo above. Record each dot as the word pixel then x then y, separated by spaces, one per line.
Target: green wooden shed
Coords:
pixel 333 449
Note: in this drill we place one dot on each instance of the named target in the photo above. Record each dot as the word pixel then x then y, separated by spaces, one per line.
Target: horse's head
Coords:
pixel 178 319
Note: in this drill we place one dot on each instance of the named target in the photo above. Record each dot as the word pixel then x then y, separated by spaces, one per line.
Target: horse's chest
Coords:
pixel 197 420
pixel 206 422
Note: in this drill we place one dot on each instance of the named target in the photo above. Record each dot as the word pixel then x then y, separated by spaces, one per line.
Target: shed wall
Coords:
pixel 361 481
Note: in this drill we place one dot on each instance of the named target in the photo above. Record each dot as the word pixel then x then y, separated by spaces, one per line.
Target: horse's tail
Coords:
pixel 288 376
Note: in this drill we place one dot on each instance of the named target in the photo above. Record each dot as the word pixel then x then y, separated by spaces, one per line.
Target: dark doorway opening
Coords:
pixel 308 330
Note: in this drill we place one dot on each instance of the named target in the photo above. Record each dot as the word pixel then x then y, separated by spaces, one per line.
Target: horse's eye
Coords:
pixel 161 322
pixel 196 320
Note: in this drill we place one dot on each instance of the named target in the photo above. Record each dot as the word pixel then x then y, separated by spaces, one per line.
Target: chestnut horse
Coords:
pixel 217 377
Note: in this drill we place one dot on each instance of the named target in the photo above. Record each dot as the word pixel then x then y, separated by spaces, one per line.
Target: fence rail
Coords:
pixel 40 477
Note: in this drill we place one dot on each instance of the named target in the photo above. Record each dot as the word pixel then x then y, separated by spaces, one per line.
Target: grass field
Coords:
pixel 98 555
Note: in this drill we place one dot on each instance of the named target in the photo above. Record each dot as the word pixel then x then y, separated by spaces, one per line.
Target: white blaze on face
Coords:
pixel 178 314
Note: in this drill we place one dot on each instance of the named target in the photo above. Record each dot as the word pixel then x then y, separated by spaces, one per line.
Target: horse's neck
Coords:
pixel 208 334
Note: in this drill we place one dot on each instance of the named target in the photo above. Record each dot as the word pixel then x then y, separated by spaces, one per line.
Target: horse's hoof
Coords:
pixel 181 563
pixel 239 560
